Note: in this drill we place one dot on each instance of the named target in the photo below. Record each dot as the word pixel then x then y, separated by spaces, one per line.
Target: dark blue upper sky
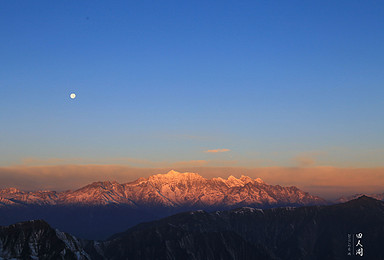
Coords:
pixel 275 82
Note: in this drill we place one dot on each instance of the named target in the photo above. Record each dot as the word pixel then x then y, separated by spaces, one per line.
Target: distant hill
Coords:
pixel 378 196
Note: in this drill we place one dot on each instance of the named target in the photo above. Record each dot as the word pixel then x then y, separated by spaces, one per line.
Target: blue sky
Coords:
pixel 278 83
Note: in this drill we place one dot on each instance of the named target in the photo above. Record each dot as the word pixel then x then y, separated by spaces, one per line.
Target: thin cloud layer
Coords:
pixel 304 161
pixel 217 151
pixel 307 159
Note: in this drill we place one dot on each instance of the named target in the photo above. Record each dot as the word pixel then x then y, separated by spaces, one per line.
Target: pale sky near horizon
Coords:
pixel 203 83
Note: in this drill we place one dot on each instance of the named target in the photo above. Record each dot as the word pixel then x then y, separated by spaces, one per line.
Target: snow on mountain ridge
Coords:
pixel 176 177
pixel 234 182
pixel 173 189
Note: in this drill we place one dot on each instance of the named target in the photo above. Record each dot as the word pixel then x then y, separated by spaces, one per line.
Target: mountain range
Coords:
pixel 171 190
pixel 101 209
pixel 308 232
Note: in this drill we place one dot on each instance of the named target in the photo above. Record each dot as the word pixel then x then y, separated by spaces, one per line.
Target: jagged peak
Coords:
pixel 242 181
pixel 219 179
pixel 247 179
pixel 259 180
pixel 232 181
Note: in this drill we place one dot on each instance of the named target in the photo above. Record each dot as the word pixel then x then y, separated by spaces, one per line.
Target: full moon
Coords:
pixel 73 95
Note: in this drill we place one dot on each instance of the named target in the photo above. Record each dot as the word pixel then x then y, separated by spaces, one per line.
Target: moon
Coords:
pixel 73 95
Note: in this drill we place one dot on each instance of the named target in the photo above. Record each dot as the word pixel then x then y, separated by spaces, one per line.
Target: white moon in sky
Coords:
pixel 73 95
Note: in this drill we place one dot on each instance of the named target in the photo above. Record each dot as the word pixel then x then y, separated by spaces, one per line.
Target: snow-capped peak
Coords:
pixel 234 182
pixel 172 172
pixel 259 180
pixel 245 179
pixel 174 176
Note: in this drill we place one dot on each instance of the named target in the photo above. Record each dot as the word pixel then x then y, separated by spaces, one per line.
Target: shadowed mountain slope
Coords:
pixel 315 232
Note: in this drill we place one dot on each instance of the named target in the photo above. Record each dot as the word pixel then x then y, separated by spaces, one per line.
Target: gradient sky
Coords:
pixel 270 83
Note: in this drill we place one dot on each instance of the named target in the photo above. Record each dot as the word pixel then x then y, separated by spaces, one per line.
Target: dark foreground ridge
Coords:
pixel 315 232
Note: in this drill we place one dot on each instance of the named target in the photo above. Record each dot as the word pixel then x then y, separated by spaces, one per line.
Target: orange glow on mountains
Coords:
pixel 321 181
